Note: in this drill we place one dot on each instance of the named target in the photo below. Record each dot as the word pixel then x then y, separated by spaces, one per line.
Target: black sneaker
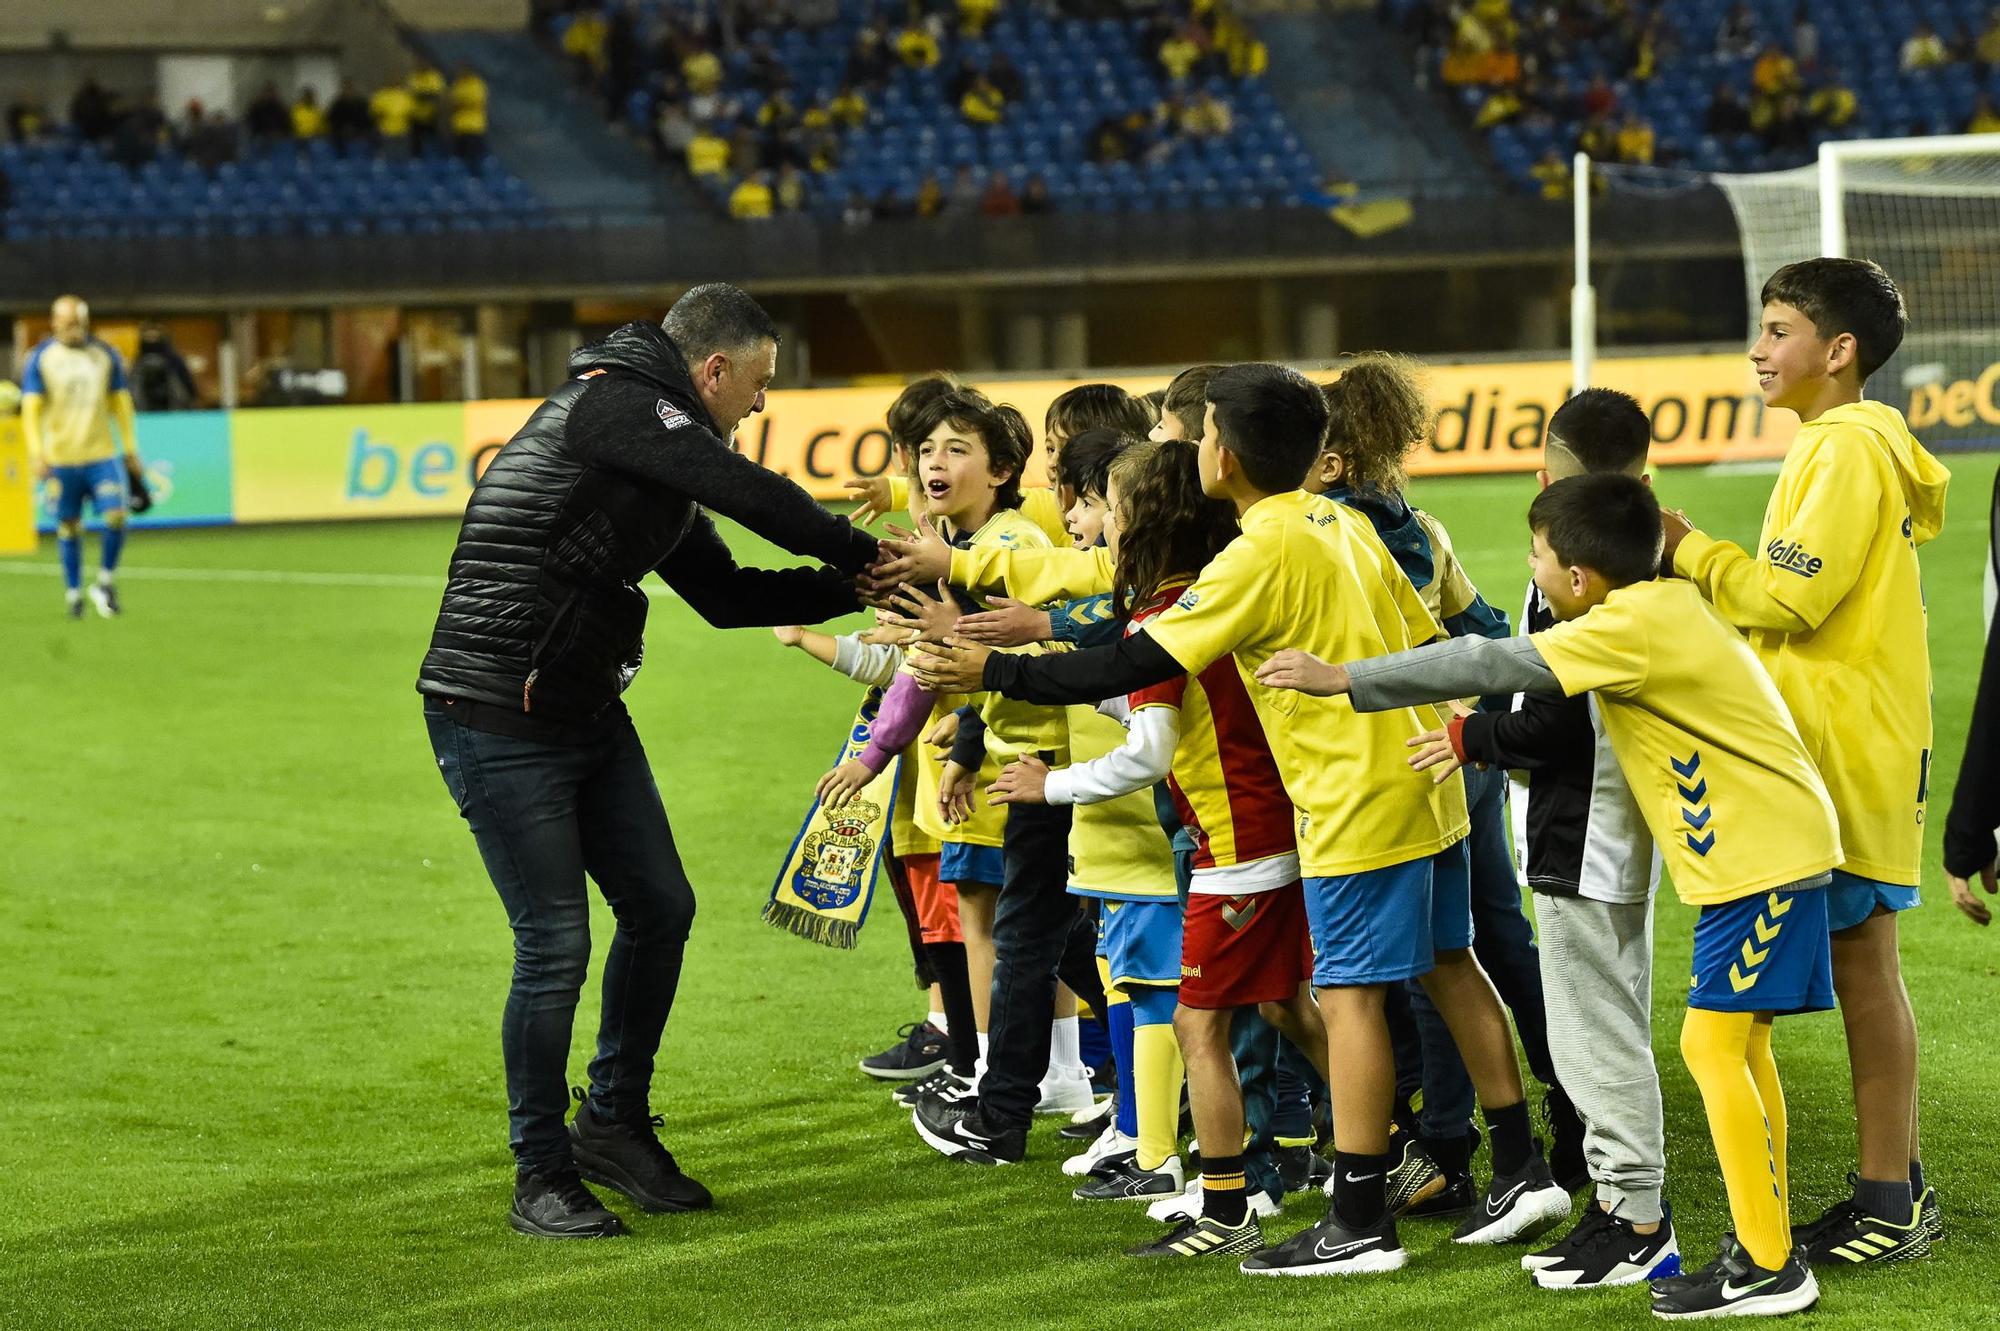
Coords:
pixel 1566 1158
pixel 960 1131
pixel 73 605
pixel 1458 1197
pixel 1205 1237
pixel 1087 1125
pixel 918 1052
pixel 554 1204
pixel 1594 1218
pixel 1608 1252
pixel 1126 1182
pixel 628 1157
pixel 1927 1207
pixel 1735 1286
pixel 104 596
pixel 1300 1170
pixel 1415 1178
pixel 1330 1248
pixel 1847 1233
pixel 1517 1206
pixel 942 1082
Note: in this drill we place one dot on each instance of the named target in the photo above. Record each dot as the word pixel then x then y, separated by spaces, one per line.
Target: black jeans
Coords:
pixel 1031 927
pixel 544 815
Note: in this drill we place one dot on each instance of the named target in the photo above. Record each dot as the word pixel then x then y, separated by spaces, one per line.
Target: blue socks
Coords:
pixel 71 548
pixel 1119 1017
pixel 1153 1006
pixel 114 545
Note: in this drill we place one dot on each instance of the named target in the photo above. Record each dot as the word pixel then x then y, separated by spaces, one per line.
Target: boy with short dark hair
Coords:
pixel 1833 604
pixel 1729 791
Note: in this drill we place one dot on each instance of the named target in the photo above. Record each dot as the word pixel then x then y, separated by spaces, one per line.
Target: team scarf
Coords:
pixel 828 878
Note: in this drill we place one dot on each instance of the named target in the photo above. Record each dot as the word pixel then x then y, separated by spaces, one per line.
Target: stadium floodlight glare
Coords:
pixel 1926 209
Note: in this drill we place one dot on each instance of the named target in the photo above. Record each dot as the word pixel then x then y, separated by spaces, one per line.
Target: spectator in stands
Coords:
pixel 348 117
pixel 673 128
pixel 1984 120
pixel 982 106
pixel 1244 54
pixel 708 154
pixel 1736 35
pixel 1805 37
pixel 1635 141
pixel 1781 123
pixel 1501 105
pixel 963 198
pixel 791 188
pixel 916 47
pixel 1923 50
pixel 974 16
pixel 1598 139
pixel 1036 199
pixel 848 108
pixel 1000 200
pixel 1005 76
pixel 93 111
pixel 160 377
pixel 140 135
pixel 1986 50
pixel 583 42
pixel 1833 104
pixel 25 120
pixel 1600 99
pixel 1179 55
pixel 1111 140
pixel 1551 173
pixel 822 152
pixel 1207 116
pixel 767 73
pixel 752 200
pixel 930 196
pixel 210 139
pixel 856 214
pixel 778 113
pixel 267 118
pixel 391 106
pixel 467 99
pixel 426 87
pixel 308 117
pixel 868 64
pixel 1727 115
pixel 701 71
pixel 1775 74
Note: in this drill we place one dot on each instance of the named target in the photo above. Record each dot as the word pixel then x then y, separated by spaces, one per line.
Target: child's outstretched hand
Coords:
pixel 843 783
pixel 1434 754
pixel 950 666
pixel 941 735
pixel 872 497
pixel 913 556
pixel 955 793
pixel 932 617
pixel 1007 624
pixel 1023 781
pixel 1302 672
pixel 788 635
pixel 1674 527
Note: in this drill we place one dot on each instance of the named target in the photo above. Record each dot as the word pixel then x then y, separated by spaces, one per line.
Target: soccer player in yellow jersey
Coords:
pixel 1730 793
pixel 1381 898
pixel 1833 603
pixel 72 387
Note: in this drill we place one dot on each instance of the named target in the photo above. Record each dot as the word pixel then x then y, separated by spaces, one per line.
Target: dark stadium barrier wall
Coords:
pixel 292 464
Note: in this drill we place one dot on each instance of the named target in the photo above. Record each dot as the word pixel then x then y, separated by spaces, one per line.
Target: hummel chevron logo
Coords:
pixel 1702 846
pixel 1776 905
pixel 1689 768
pixel 1691 796
pixel 1766 932
pixel 1695 795
pixel 1738 980
pixel 1237 915
pixel 1697 820
pixel 1753 958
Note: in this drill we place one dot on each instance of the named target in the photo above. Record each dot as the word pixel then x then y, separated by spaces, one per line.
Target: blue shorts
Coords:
pixel 1140 940
pixel 963 862
pixel 1767 953
pixel 1852 899
pixel 1383 925
pixel 102 482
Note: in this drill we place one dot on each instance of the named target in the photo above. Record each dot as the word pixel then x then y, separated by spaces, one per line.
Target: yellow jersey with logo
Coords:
pixel 1718 770
pixel 76 385
pixel 1833 604
pixel 1014 728
pixel 1116 847
pixel 1309 572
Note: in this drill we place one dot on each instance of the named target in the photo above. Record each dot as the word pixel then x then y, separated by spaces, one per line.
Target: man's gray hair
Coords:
pixel 716 317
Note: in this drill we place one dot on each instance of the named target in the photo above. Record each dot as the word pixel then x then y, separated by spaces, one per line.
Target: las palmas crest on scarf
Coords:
pixel 832 861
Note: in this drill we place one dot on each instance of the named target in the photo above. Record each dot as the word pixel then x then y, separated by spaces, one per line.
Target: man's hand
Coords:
pixel 843 783
pixel 944 733
pixel 914 556
pixel 950 666
pixel 1304 673
pixel 1434 753
pixel 1023 781
pixel 1007 624
pixel 788 635
pixel 1674 523
pixel 1961 894
pixel 873 498
pixel 931 617
pixel 955 793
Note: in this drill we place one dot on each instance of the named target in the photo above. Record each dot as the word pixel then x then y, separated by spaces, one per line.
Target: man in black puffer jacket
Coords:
pixel 538 636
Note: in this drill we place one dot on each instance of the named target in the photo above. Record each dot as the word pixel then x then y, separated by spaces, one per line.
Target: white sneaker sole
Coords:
pixel 1068 1101
pixel 901 1074
pixel 1371 1263
pixel 1626 1274
pixel 1187 1206
pixel 1532 1214
pixel 949 1148
pixel 1759 1305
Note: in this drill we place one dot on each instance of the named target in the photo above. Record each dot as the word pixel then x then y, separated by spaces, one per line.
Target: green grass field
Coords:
pixel 249 1067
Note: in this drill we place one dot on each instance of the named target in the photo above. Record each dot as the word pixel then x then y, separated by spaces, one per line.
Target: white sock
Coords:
pixel 982 1049
pixel 937 1020
pixel 1065 1053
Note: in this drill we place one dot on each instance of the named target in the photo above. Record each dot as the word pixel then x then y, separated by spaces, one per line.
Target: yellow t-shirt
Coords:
pixel 76 386
pixel 468 105
pixel 308 120
pixel 1116 847
pixel 1311 573
pixel 1013 727
pixel 751 199
pixel 1714 762
pixel 392 108
pixel 426 87
pixel 906 835
pixel 707 155
pixel 1833 604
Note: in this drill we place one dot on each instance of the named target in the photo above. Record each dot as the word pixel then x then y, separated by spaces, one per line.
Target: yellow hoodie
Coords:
pixel 1833 603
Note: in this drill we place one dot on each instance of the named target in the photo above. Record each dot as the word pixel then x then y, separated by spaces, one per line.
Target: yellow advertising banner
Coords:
pixel 17 491
pixel 1491 417
pixel 296 464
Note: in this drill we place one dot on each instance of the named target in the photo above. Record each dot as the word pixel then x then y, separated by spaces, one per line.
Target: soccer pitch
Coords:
pixel 251 1063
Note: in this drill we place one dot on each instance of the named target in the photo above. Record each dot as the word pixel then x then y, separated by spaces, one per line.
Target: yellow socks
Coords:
pixel 1729 1054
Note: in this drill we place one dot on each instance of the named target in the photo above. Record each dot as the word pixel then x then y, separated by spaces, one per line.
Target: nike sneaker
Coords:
pixel 1609 1252
pixel 1415 1178
pixel 1203 1237
pixel 1517 1206
pixel 918 1052
pixel 1593 1219
pixel 1733 1285
pixel 1086 1124
pixel 960 1132
pixel 1126 1182
pixel 1330 1248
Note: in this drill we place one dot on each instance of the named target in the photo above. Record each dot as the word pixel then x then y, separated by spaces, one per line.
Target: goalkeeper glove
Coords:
pixel 135 476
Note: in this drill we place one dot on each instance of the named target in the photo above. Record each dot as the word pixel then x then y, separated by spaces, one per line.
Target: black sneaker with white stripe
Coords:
pixel 1517 1206
pixel 1126 1182
pixel 918 1052
pixel 1606 1252
pixel 1847 1233
pixel 1204 1237
pixel 960 1131
pixel 943 1082
pixel 1331 1248
pixel 1733 1285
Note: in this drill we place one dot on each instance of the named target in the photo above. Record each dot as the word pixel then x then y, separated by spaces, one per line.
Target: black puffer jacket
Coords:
pixel 542 610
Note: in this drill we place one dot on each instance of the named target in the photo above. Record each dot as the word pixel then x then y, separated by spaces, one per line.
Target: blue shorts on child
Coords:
pixel 1850 899
pixel 1764 953
pixel 962 862
pixel 1383 925
pixel 1140 940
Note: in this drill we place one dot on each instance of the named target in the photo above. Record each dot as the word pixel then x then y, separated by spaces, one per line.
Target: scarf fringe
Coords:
pixel 811 926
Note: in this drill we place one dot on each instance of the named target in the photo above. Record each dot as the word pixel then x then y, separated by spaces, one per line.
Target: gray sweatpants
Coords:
pixel 1597 987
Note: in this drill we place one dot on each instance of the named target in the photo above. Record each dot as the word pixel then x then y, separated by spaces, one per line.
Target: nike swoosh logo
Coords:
pixel 1327 1253
pixel 1638 1256
pixel 1730 1291
pixel 1359 1178
pixel 1493 1209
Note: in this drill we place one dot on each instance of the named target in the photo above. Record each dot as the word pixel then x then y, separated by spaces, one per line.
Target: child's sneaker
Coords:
pixel 1517 1206
pixel 1927 1207
pixel 1612 1253
pixel 1330 1248
pixel 1204 1237
pixel 1128 1183
pixel 918 1052
pixel 1847 1233
pixel 1415 1178
pixel 1735 1286
pixel 1111 1147
pixel 1187 1206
